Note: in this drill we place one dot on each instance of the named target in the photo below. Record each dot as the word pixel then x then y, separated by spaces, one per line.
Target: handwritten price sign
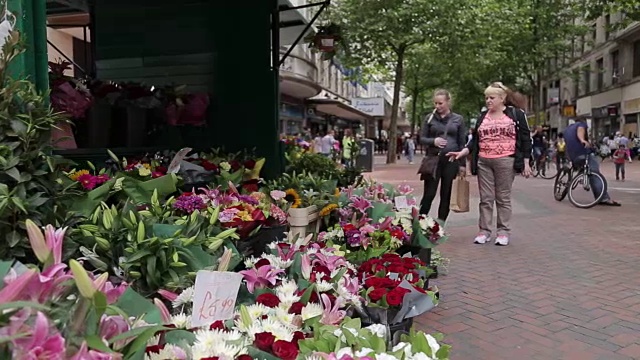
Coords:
pixel 215 296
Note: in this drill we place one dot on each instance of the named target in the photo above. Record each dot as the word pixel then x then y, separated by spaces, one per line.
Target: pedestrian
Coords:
pixel 442 132
pixel 500 150
pixel 561 148
pixel 328 142
pixel 410 146
pixel 317 144
pixel 347 146
pixel 619 157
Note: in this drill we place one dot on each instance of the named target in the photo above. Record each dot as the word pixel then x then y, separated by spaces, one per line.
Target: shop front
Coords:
pixel 332 114
pixel 606 120
pixel 292 116
pixel 631 111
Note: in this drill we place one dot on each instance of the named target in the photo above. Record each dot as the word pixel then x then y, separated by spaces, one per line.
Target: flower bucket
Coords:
pixel 256 244
pixel 62 136
pixel 304 220
pixel 99 125
pixel 394 332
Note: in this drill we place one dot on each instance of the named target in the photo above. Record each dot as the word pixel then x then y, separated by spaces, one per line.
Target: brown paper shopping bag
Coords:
pixel 460 195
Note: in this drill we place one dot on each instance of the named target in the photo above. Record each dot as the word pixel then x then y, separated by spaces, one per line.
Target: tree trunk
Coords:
pixel 393 127
pixel 414 108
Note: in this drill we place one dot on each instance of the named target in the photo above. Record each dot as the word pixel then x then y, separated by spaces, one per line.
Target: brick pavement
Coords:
pixel 566 288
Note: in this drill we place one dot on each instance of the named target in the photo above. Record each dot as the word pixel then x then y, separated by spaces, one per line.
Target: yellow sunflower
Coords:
pixel 328 209
pixel 293 197
pixel 76 174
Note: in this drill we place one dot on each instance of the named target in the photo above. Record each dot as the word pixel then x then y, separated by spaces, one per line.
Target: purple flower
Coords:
pixel 189 203
pixel 354 237
pixel 227 215
pixel 248 200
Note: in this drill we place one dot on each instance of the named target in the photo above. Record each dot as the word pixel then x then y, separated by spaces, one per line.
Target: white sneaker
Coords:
pixel 481 239
pixel 502 240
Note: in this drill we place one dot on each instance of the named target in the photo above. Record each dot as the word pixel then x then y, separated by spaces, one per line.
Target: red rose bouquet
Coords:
pixel 393 289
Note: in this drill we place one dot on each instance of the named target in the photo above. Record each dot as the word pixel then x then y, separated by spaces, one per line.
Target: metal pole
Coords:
pixel 301 35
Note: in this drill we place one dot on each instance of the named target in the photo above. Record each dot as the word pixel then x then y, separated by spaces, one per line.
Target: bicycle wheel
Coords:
pixel 581 187
pixel 549 170
pixel 534 168
pixel 561 184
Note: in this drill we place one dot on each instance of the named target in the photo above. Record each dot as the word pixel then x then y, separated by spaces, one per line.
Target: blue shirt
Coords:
pixel 574 146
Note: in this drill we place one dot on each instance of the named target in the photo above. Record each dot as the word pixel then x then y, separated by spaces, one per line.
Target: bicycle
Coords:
pixel 578 175
pixel 548 168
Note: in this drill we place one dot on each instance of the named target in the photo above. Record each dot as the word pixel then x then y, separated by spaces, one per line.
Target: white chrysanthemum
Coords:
pixel 223 351
pixel 344 352
pixel 273 245
pixel 233 335
pixel 324 286
pixel 364 352
pixel 277 261
pixel 311 250
pixel 310 311
pixel 283 316
pixel 251 329
pixel 250 262
pixel 378 330
pixel 169 352
pixel 277 329
pixel 181 321
pixel 257 310
pixel 419 356
pixel 210 338
pixel 185 298
pixel 286 292
pixel 385 357
pixel 155 340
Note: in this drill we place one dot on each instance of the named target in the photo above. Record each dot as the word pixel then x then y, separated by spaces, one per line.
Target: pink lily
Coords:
pixel 113 292
pixel 47 247
pixel 55 238
pixel 261 277
pixel 331 315
pixel 43 342
pixel 332 262
pixel 168 295
pixel 305 266
pixel 15 286
pixel 85 354
pixel 350 284
pixel 112 326
pixel 360 203
pixel 165 315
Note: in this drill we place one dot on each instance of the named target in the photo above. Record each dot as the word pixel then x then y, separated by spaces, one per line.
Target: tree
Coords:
pixel 378 34
pixel 593 9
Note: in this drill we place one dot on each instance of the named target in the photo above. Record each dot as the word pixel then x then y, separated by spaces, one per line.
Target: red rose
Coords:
pixel 268 299
pixel 348 227
pixel 208 165
pixel 161 169
pixel 235 165
pixel 395 296
pixel 154 349
pixel 376 294
pixel 296 308
pixel 244 357
pixel 285 350
pixel 262 262
pixel 217 325
pixel 389 256
pixel 297 336
pixel 250 164
pixel 210 358
pixel 373 282
pixel 396 268
pixel 264 341
pixel 250 187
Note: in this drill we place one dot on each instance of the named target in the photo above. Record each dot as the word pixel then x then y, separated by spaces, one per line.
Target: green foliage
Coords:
pixel 28 171
pixel 321 167
pixel 596 8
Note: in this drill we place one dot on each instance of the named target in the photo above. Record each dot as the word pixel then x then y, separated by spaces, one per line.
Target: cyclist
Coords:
pixel 539 146
pixel 578 146
pixel 561 150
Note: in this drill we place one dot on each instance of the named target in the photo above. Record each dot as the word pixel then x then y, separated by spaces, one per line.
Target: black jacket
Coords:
pixel 452 128
pixel 523 139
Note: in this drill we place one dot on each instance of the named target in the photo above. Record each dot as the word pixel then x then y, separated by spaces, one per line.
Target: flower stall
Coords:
pixel 192 255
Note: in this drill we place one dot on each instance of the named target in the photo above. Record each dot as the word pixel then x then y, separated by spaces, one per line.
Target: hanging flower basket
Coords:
pixel 325 43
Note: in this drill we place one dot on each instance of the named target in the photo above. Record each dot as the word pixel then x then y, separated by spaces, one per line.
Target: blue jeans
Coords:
pixel 410 155
pixel 594 164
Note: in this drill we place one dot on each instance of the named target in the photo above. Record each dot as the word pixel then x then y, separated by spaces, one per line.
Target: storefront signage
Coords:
pixel 569 111
pixel 605 112
pixel 369 106
pixel 553 96
pixel 291 111
pixel 632 106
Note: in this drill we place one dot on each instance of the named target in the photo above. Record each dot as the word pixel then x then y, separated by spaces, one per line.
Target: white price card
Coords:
pixel 401 202
pixel 214 296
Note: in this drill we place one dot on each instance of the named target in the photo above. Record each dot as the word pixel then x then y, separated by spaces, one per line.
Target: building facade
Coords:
pixel 600 80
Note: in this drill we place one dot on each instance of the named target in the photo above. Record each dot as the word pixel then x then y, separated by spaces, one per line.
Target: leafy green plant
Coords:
pixel 152 247
pixel 28 171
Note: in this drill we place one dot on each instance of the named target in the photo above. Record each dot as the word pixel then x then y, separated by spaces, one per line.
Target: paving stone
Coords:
pixel 565 288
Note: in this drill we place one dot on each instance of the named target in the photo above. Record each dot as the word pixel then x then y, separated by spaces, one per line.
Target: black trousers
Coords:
pixel 446 172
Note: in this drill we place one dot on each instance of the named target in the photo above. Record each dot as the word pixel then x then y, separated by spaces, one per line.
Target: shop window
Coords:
pixel 600 74
pixel 615 66
pixel 587 80
pixel 636 58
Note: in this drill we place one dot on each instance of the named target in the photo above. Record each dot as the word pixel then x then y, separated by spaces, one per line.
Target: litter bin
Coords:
pixel 365 157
